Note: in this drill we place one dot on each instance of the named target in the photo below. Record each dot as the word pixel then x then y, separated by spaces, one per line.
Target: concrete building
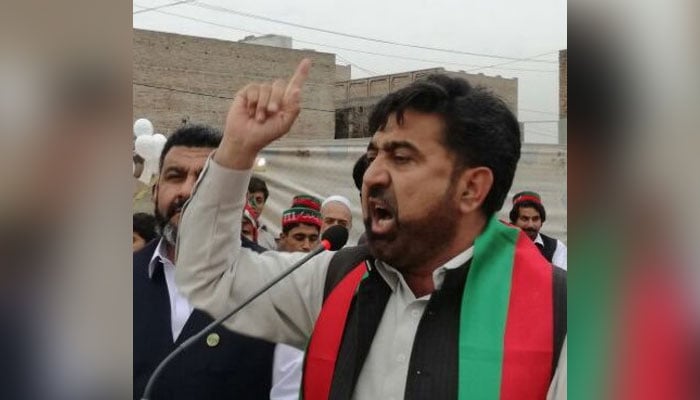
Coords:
pixel 343 73
pixel 355 98
pixel 179 79
pixel 284 42
pixel 563 84
pixel 563 96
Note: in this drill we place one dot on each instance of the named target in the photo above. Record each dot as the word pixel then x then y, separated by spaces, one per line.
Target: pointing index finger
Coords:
pixel 299 77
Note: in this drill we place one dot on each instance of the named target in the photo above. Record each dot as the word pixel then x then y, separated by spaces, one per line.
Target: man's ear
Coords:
pixel 473 185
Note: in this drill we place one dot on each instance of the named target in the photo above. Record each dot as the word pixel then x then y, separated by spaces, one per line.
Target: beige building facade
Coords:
pixel 179 79
pixel 354 99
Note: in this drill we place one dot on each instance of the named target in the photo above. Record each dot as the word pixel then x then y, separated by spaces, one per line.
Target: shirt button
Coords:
pixel 401 358
pixel 213 339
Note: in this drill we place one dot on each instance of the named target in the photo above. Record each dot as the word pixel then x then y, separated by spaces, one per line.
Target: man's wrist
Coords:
pixel 235 155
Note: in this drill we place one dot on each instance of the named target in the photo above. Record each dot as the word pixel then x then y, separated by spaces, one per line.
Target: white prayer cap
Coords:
pixel 340 199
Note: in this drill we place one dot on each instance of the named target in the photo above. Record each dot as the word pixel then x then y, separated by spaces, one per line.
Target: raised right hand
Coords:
pixel 259 115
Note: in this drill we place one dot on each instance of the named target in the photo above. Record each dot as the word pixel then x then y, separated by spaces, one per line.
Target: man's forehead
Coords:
pixel 416 128
pixel 181 155
pixel 335 207
pixel 529 211
pixel 304 228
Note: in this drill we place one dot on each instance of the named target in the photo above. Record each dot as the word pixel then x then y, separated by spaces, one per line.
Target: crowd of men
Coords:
pixel 224 250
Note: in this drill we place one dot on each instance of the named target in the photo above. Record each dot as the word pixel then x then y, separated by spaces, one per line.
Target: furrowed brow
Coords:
pixel 396 145
pixel 173 168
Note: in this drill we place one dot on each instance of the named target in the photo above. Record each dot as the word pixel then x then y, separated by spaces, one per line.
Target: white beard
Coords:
pixel 170 234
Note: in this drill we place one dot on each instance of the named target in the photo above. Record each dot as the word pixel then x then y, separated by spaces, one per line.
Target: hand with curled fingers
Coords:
pixel 260 114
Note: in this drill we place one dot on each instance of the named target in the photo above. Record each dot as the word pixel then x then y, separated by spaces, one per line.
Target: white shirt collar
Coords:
pixel 539 240
pixel 394 278
pixel 158 255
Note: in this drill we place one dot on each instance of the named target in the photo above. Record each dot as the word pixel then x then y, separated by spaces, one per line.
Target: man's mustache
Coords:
pixel 382 194
pixel 376 192
pixel 175 207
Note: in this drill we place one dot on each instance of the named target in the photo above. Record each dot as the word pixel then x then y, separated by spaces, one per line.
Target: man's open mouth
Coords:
pixel 382 216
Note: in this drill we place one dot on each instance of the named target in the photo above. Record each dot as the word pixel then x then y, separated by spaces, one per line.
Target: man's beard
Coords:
pixel 531 233
pixel 165 227
pixel 168 231
pixel 413 243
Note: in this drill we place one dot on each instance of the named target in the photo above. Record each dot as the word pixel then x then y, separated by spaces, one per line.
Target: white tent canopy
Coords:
pixel 324 167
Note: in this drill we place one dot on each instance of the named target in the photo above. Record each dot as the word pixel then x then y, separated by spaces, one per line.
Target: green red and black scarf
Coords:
pixel 506 324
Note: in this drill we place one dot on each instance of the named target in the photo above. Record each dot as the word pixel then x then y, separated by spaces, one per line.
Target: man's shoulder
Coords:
pixel 350 256
pixel 342 262
pixel 546 237
pixel 143 256
pixel 553 240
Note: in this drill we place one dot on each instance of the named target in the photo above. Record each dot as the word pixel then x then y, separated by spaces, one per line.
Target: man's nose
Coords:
pixel 376 174
pixel 185 189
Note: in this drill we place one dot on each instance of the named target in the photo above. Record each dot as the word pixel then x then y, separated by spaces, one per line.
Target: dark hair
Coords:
pixel 145 226
pixel 515 211
pixel 258 185
pixel 358 171
pixel 479 128
pixel 191 136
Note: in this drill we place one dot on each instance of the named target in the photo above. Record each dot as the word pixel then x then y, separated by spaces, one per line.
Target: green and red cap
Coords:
pixel 302 215
pixel 527 196
pixel 305 200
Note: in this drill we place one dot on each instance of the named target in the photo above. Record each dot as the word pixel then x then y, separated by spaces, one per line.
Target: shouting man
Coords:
pixel 528 214
pixel 444 302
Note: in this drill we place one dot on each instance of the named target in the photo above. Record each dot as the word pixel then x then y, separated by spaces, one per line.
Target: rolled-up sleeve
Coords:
pixel 217 274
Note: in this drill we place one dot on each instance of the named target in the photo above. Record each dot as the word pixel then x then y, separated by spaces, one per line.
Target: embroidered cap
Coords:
pixel 527 196
pixel 302 215
pixel 305 200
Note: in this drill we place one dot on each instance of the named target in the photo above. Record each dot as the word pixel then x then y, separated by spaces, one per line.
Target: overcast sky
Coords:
pixel 505 28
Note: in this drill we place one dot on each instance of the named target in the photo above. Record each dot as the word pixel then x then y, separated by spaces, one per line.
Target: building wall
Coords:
pixel 354 99
pixel 563 131
pixel 179 79
pixel 343 72
pixel 269 40
pixel 563 84
pixel 352 121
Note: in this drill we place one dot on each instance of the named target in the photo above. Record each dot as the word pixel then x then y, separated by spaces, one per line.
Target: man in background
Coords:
pixel 257 197
pixel 301 225
pixel 528 214
pixel 144 230
pixel 224 364
pixel 358 172
pixel 300 232
pixel 335 210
